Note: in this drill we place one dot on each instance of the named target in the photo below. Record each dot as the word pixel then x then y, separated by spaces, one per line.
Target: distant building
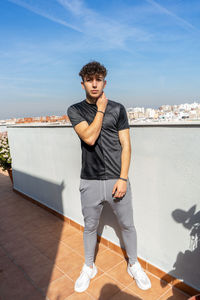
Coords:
pixel 46 119
pixel 165 112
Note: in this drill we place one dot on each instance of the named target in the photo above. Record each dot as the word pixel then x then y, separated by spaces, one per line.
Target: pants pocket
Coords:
pixel 83 185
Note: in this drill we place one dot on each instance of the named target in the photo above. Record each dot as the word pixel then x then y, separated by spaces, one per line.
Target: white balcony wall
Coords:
pixel 164 176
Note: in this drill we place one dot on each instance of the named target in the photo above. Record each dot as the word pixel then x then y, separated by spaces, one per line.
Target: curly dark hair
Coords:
pixel 93 68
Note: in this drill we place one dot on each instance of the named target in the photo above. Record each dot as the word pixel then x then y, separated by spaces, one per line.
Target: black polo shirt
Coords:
pixel 103 159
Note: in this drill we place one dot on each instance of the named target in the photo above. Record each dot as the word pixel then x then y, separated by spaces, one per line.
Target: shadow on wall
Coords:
pixel 39 189
pixel 112 291
pixel 31 235
pixel 187 265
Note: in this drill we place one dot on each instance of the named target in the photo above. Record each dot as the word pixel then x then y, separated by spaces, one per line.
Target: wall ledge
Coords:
pixel 136 124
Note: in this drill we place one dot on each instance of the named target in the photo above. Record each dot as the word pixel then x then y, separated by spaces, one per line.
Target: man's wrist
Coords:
pixel 100 111
pixel 101 108
pixel 124 179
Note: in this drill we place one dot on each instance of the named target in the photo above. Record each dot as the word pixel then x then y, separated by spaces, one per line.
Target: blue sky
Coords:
pixel 150 48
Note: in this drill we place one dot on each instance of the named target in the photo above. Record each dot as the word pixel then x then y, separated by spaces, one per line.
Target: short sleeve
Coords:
pixel 74 115
pixel 123 119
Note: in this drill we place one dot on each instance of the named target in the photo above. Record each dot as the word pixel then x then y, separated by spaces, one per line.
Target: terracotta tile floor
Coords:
pixel 41 257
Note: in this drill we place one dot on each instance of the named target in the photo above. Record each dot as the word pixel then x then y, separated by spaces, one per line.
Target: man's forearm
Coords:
pixel 125 160
pixel 92 132
pixel 120 186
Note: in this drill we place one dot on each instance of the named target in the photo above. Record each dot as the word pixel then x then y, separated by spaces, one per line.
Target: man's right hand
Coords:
pixel 102 102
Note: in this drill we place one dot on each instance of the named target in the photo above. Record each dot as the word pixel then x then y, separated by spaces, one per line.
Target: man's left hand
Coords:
pixel 119 189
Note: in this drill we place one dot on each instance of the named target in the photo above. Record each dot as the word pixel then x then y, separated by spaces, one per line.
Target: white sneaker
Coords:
pixel 141 278
pixel 87 273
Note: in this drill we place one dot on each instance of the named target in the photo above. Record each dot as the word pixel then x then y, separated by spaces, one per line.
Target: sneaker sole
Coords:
pixel 138 284
pixel 79 290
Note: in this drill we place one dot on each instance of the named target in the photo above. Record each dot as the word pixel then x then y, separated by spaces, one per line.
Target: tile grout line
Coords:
pixel 164 294
pixel 116 252
pixel 54 264
pixel 43 253
pixel 76 251
pixel 104 272
pixel 71 248
pixel 116 280
pixel 92 297
pixel 156 278
pixel 23 271
pixel 106 248
pixel 64 275
pixel 114 266
pixel 168 283
pixel 135 294
pixel 127 286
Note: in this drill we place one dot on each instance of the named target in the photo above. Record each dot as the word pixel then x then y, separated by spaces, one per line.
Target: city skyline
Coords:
pixel 169 113
pixel 151 50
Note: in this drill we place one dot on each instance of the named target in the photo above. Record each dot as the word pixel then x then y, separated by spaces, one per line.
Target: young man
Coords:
pixel 103 128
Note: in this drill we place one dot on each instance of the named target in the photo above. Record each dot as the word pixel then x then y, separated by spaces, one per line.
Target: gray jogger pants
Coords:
pixel 94 193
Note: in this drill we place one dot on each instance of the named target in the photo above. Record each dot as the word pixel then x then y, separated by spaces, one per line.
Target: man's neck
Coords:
pixel 91 100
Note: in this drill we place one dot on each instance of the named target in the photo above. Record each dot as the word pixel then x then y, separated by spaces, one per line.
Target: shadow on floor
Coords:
pixel 112 289
pixel 29 240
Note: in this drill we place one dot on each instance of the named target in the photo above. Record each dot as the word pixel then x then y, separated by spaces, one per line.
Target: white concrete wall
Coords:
pixel 164 176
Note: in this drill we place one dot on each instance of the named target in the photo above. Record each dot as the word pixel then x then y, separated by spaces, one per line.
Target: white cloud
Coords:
pixel 178 19
pixel 88 22
pixel 44 14
pixel 75 6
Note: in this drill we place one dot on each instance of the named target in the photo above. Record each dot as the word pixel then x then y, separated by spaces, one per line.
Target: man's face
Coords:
pixel 93 85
